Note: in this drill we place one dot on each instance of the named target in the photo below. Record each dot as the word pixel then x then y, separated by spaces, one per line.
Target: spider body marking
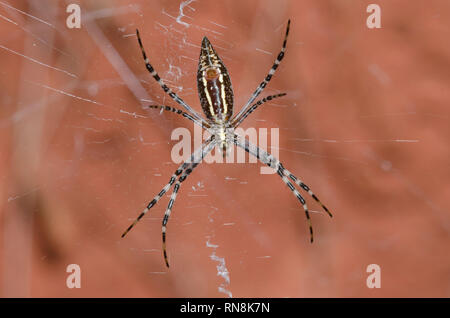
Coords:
pixel 215 93
pixel 214 85
pixel 216 98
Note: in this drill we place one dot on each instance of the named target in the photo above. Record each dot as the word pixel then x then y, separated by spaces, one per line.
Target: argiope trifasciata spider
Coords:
pixel 216 98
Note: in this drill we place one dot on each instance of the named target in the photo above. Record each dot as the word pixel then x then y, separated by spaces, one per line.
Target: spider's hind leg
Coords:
pixel 201 123
pixel 266 79
pixel 166 89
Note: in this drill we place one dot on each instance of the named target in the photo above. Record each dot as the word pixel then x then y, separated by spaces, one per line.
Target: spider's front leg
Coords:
pixel 285 175
pixel 176 188
pixel 173 178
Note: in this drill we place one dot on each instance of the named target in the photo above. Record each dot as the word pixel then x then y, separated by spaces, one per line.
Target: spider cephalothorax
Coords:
pixel 216 98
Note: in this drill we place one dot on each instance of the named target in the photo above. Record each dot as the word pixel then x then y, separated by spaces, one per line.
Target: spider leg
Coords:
pixel 274 163
pixel 163 191
pixel 173 197
pixel 166 89
pixel 300 198
pixel 252 108
pixel 202 124
pixel 267 78
pixel 169 208
pixel 300 183
pixel 286 172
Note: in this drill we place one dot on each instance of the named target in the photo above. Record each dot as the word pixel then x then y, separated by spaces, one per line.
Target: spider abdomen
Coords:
pixel 214 85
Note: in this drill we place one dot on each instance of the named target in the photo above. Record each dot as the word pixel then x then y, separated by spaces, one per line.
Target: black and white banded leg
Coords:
pixel 274 163
pixel 166 188
pixel 173 197
pixel 300 183
pixel 166 89
pixel 267 78
pixel 254 106
pixel 202 124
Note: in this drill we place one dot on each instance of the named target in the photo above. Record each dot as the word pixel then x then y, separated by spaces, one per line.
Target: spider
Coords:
pixel 216 98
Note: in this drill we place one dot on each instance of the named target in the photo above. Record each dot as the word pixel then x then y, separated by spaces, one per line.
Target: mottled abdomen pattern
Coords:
pixel 214 85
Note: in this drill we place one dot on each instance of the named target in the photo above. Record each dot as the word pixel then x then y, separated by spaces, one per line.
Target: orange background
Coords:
pixel 365 123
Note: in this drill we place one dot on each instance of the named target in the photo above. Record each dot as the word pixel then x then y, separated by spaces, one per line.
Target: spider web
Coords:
pixel 80 158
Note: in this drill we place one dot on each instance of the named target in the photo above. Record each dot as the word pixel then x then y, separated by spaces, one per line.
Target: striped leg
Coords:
pixel 173 197
pixel 202 124
pixel 163 191
pixel 299 197
pixel 169 208
pixel 268 77
pixel 300 183
pixel 157 197
pixel 254 106
pixel 166 89
pixel 273 162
